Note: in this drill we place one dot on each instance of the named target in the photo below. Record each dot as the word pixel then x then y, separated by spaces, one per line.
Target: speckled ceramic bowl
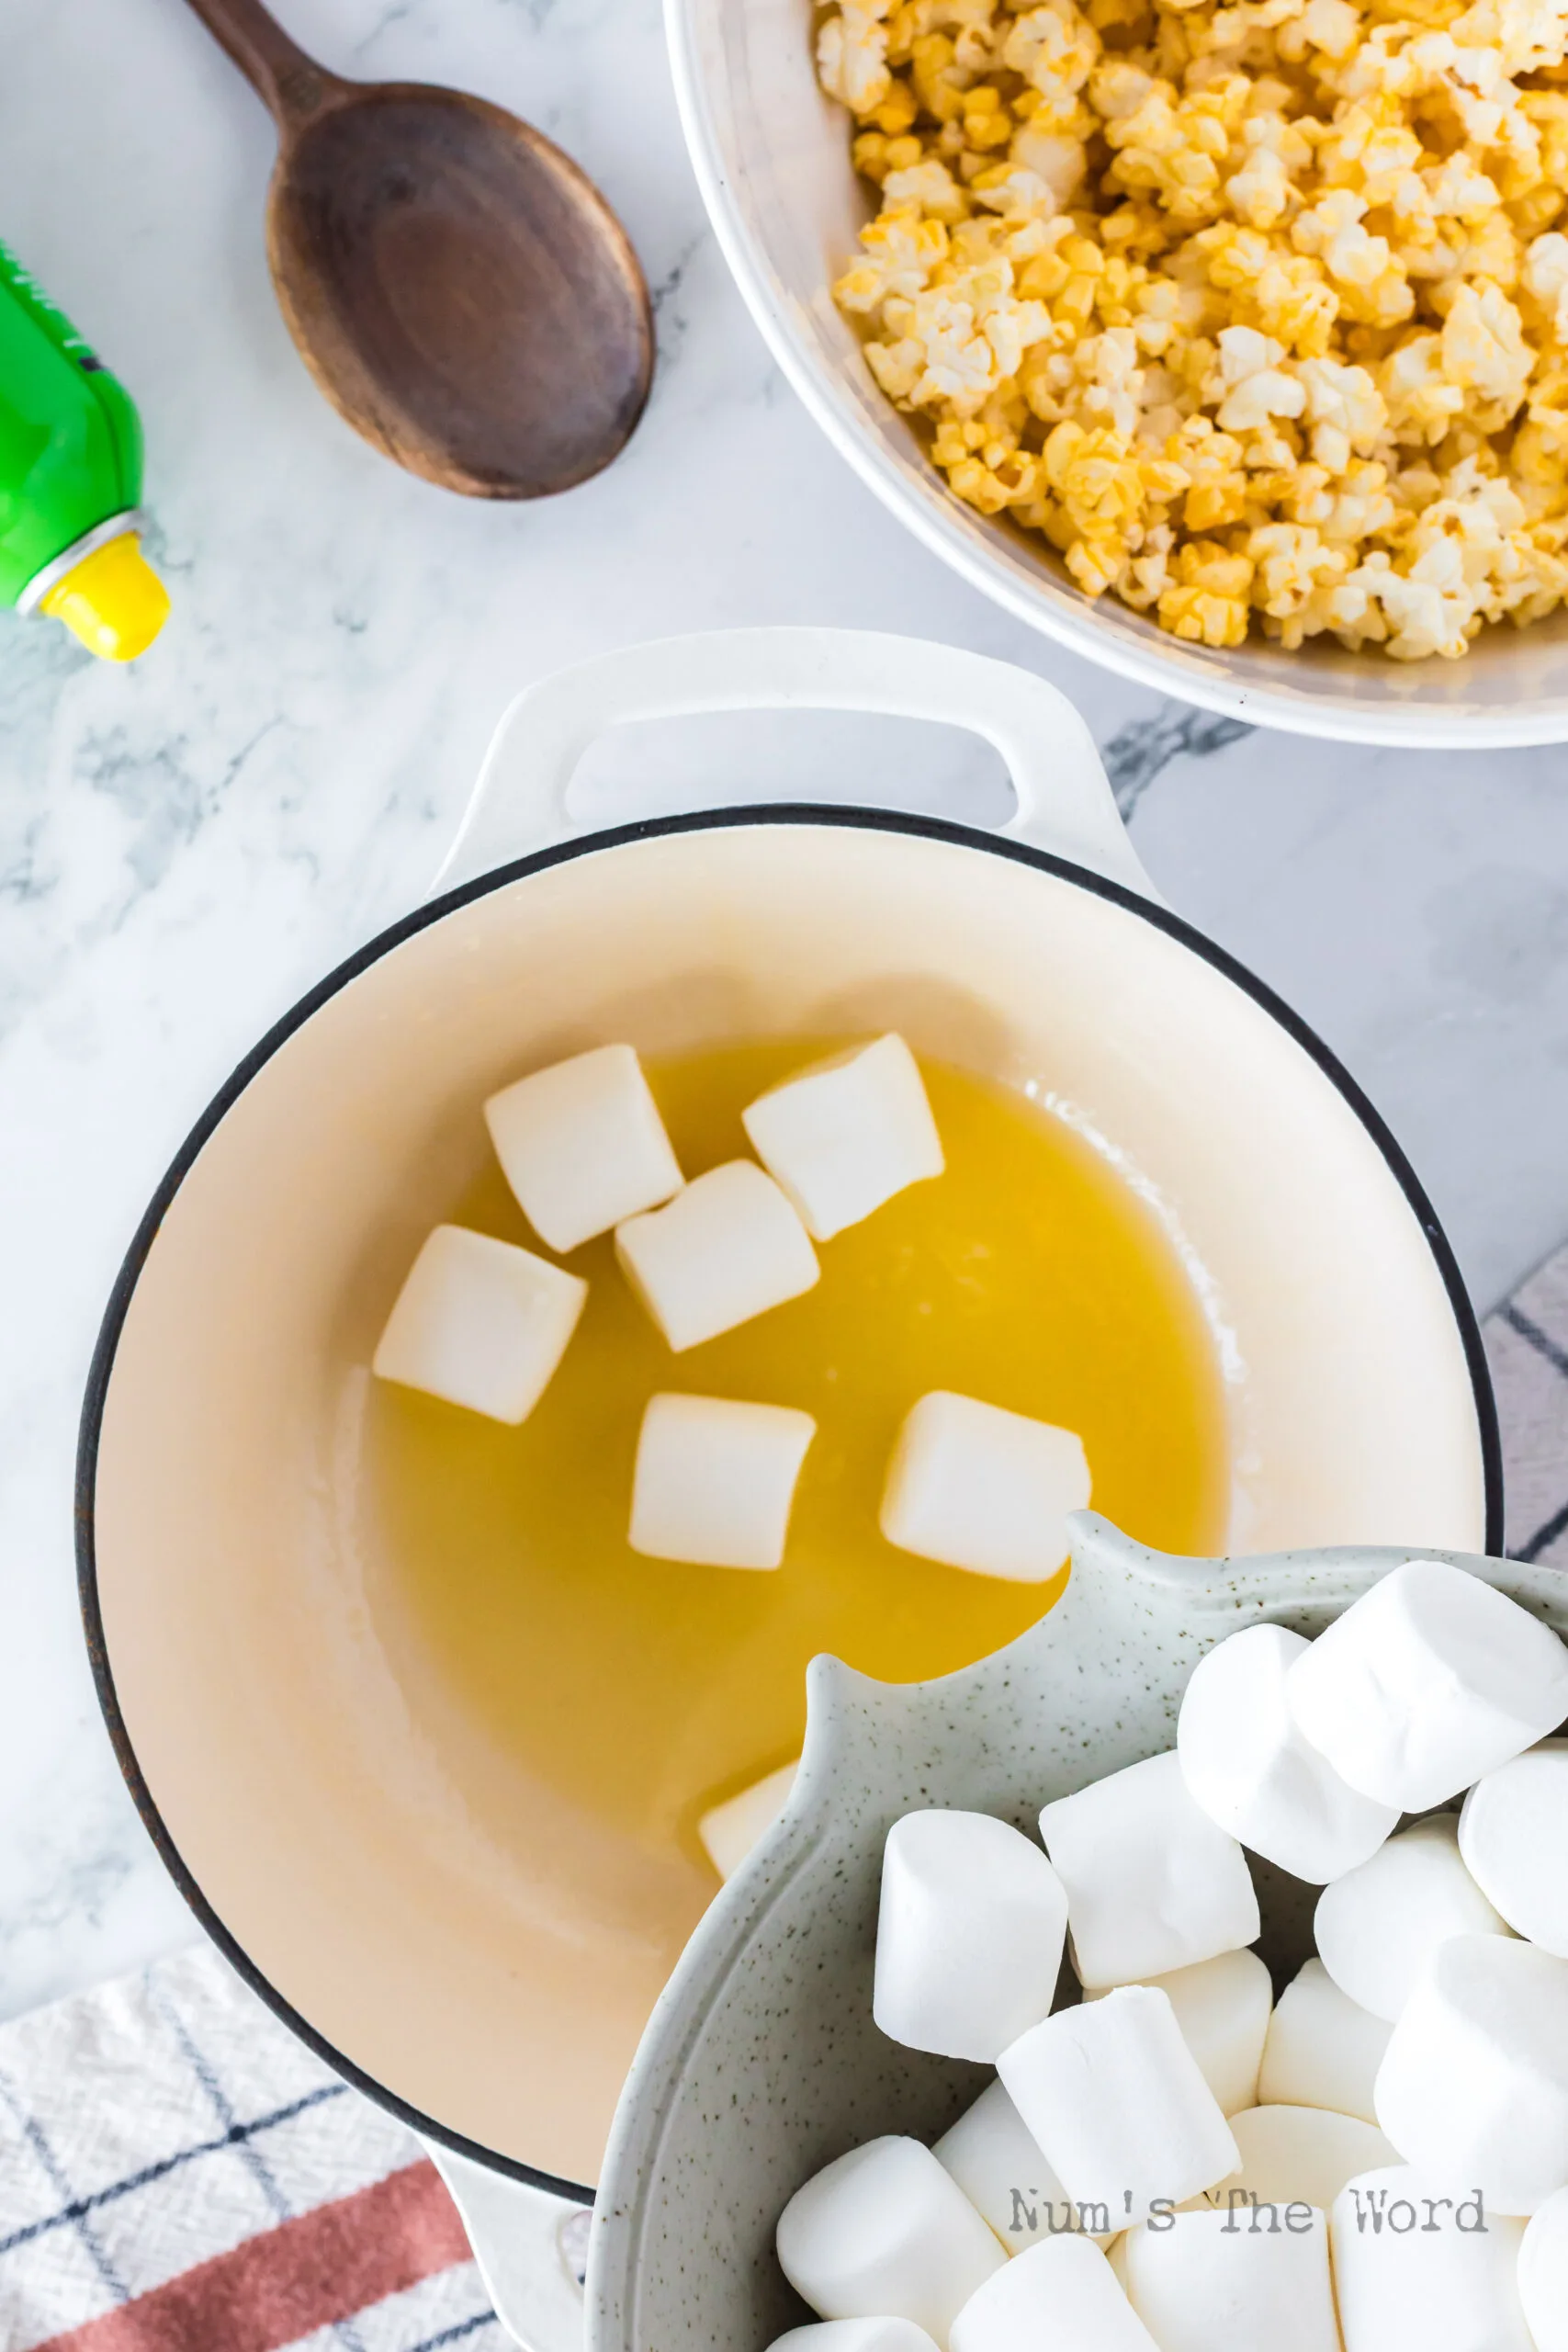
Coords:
pixel 762 2063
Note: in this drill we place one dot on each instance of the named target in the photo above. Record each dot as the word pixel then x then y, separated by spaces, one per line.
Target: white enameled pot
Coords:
pixel 771 157
pixel 762 2062
pixel 460 1945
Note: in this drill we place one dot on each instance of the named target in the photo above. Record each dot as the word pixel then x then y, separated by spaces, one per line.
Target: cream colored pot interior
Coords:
pixel 471 1944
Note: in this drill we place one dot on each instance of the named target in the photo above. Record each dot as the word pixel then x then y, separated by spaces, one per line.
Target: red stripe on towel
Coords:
pixel 272 2289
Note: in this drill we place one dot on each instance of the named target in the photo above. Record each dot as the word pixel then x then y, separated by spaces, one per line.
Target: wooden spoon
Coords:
pixel 460 290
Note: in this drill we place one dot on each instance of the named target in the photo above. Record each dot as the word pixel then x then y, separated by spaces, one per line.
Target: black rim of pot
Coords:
pixel 789 813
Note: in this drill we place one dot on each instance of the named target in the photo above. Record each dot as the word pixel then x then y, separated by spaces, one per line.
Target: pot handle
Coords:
pixel 524 2258
pixel 1065 802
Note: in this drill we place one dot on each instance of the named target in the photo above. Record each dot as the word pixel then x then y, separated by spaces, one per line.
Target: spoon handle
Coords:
pixel 289 83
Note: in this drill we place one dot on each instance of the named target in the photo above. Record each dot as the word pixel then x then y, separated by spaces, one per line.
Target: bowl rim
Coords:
pixel 407 927
pixel 1129 1614
pixel 1333 717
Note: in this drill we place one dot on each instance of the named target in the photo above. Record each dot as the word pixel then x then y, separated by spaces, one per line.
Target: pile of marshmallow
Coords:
pixel 1175 2165
pixel 484 1324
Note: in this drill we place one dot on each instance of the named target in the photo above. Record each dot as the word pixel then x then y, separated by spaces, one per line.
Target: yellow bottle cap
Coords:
pixel 113 600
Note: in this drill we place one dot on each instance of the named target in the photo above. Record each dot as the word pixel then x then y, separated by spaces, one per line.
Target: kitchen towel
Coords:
pixel 179 2173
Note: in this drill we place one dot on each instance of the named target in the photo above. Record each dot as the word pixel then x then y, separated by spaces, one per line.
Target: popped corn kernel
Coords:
pixel 851 58
pixel 1254 311
pixel 900 251
pixel 1208 600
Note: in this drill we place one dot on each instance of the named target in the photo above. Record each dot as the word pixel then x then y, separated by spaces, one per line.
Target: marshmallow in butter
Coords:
pixel 845 1135
pixel 715 1480
pixel 727 1248
pixel 480 1323
pixel 980 1488
pixel 582 1145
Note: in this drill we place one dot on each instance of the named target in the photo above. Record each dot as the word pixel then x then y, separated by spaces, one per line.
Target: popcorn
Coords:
pixel 1230 310
pixel 851 58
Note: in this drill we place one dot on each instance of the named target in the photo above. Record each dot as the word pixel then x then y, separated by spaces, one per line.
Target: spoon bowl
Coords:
pixel 459 289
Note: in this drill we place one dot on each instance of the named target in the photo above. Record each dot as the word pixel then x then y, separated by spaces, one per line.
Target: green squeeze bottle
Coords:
pixel 69 480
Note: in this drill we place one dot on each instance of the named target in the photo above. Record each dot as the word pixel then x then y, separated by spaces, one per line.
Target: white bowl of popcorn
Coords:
pixel 1209 2053
pixel 1287 314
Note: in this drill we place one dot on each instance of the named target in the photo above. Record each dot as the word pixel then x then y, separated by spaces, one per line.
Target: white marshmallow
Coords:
pixel 715 1480
pixel 728 1831
pixel 1151 1883
pixel 1429 1681
pixel 1234 2282
pixel 1115 2099
pixel 1222 2006
pixel 582 1145
pixel 1376 1927
pixel 855 2335
pixel 1248 1764
pixel 983 1490
pixel 1299 2155
pixel 969 1934
pixel 1061 2296
pixel 1513 1833
pixel 1410 2279
pixel 1324 2050
pixel 1475 2085
pixel 727 1248
pixel 1543 2273
pixel 993 2157
pixel 842 1137
pixel 480 1323
pixel 884 2232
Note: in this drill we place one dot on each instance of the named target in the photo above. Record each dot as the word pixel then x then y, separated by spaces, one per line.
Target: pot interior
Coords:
pixel 468 1939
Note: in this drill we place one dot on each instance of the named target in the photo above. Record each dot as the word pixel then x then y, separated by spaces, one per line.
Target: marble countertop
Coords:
pixel 185 846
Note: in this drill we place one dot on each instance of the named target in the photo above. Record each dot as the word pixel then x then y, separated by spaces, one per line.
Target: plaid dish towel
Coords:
pixel 1526 1346
pixel 179 2173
